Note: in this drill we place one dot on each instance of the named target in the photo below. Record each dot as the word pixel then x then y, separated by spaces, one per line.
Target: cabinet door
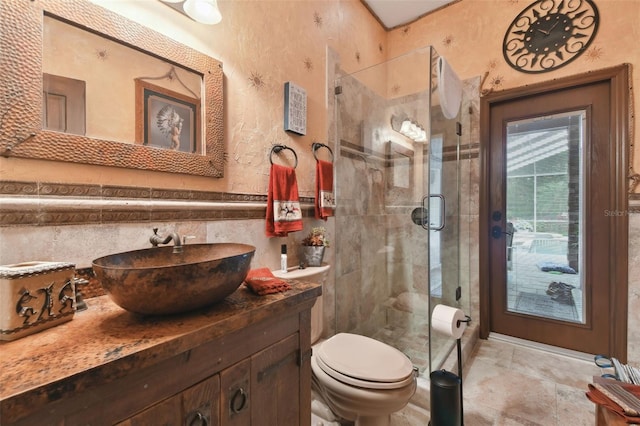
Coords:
pixel 195 406
pixel 235 403
pixel 165 413
pixel 201 403
pixel 275 384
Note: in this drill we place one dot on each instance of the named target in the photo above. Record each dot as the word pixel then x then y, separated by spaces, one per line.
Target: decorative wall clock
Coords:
pixel 550 34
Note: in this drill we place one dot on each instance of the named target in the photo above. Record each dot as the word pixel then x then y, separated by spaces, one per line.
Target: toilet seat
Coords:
pixel 364 362
pixel 352 381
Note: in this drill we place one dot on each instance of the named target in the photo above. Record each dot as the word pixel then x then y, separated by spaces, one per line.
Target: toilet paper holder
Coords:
pixel 467 320
pixel 458 324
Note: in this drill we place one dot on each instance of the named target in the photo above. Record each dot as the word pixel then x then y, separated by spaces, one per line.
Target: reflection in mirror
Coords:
pixel 89 86
pixel 167 119
pixel 63 108
pixel 111 72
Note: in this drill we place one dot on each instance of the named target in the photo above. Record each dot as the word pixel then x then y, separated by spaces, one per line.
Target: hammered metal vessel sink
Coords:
pixel 157 281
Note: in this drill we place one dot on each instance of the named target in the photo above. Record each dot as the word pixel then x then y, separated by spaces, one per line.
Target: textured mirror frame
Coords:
pixel 21 95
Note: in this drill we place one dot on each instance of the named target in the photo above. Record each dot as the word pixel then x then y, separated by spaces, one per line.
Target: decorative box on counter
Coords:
pixel 35 296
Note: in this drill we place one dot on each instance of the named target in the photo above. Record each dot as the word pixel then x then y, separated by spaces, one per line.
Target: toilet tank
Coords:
pixel 315 274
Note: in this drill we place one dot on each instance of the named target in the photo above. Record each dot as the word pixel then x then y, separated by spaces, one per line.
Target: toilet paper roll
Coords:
pixel 448 321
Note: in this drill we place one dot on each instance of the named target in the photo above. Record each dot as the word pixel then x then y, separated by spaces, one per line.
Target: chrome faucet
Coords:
pixel 156 239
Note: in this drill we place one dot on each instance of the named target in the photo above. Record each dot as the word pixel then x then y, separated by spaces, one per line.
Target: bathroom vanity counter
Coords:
pixel 107 365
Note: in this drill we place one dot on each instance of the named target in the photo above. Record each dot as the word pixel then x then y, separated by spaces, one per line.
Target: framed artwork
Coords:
pixel 167 119
pixel 295 109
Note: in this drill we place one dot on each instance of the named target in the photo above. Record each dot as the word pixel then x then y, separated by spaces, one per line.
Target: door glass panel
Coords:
pixel 435 216
pixel 544 217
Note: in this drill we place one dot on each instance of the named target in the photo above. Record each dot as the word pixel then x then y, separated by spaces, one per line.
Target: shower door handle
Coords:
pixel 432 226
pixel 421 215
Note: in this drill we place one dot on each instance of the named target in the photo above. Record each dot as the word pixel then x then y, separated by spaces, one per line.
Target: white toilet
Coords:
pixel 358 378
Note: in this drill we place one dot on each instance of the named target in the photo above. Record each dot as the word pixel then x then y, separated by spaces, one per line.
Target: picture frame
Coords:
pixel 295 109
pixel 167 119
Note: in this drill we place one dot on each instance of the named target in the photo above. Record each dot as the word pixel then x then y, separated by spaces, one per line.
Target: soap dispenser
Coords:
pixel 283 258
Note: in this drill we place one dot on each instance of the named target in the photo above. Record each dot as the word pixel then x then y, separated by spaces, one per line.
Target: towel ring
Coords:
pixel 277 149
pixel 316 146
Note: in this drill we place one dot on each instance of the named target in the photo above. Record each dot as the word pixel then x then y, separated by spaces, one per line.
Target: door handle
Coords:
pixel 496 232
pixel 421 215
pixel 238 401
pixel 442 213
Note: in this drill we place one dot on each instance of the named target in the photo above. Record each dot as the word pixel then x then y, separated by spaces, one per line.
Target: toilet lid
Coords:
pixel 365 362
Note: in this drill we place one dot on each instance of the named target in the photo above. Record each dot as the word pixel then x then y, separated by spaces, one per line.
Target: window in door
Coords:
pixel 544 211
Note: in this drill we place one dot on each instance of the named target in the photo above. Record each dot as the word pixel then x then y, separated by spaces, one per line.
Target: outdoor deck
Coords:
pixel 527 284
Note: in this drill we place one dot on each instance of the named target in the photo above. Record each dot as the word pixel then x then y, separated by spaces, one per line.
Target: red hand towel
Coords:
pixel 325 200
pixel 283 204
pixel 261 281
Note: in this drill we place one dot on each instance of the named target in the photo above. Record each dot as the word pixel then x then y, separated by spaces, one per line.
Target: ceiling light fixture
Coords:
pixel 203 11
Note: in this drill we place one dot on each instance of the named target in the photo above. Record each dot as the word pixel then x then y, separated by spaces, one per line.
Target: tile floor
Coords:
pixel 508 384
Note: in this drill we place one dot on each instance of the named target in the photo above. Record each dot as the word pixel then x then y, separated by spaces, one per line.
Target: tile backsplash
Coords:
pixel 78 223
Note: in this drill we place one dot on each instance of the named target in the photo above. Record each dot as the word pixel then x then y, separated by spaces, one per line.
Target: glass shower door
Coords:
pixel 444 217
pixel 383 258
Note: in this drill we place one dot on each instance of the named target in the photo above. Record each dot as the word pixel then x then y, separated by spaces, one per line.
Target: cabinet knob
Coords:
pixel 199 419
pixel 238 401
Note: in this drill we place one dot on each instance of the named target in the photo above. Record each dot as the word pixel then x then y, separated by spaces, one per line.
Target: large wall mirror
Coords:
pixel 86 85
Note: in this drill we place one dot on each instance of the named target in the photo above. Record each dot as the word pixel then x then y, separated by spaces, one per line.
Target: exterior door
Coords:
pixel 555 218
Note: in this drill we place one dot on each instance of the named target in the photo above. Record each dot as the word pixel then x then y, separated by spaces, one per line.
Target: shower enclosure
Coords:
pixel 397 238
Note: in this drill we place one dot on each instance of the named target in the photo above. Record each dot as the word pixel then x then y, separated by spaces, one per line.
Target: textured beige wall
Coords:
pixel 262 45
pixel 470 33
pixel 259 56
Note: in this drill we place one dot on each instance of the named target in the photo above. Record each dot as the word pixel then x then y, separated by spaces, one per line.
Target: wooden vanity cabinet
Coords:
pixel 257 372
pixel 236 396
pixel 263 389
pixel 198 405
pixel 274 379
